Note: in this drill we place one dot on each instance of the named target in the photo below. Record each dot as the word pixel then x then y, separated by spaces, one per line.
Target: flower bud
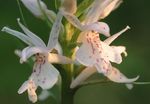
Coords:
pixel 69 6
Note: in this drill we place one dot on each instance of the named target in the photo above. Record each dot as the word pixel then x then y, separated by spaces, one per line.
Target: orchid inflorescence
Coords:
pixel 82 30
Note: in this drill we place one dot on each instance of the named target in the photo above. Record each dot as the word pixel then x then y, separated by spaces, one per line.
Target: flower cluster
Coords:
pixel 93 53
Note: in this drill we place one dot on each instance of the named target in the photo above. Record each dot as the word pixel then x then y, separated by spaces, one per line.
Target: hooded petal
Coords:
pixel 85 74
pixel 33 7
pixel 35 39
pixel 118 77
pixel 29 51
pixel 19 35
pixel 45 75
pixel 113 37
pixel 100 27
pixel 56 58
pixel 53 38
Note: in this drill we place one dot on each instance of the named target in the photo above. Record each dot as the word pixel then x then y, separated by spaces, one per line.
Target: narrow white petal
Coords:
pixel 19 35
pixel 100 27
pixel 72 19
pixel 23 87
pixel 33 7
pixel 113 37
pixel 54 34
pixel 112 6
pixel 85 74
pixel 45 75
pixel 51 15
pixel 56 58
pixel 29 51
pixel 118 77
pixel 35 39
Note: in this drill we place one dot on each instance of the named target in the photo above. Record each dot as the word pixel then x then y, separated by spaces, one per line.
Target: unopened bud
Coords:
pixel 69 6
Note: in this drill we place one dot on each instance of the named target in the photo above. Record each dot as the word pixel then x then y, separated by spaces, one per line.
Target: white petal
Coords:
pixel 18 52
pixel 113 37
pixel 29 51
pixel 96 10
pixel 51 15
pixel 33 7
pixel 56 58
pixel 35 39
pixel 45 75
pixel 44 95
pixel 19 35
pixel 100 27
pixel 118 77
pixel 53 38
pixel 86 73
pixel 72 19
pixel 112 6
pixel 23 87
pixel 129 86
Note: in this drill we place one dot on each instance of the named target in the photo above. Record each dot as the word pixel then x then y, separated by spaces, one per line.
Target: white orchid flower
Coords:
pixel 98 54
pixel 44 73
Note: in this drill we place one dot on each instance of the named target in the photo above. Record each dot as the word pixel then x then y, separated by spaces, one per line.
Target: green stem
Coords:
pixel 67 94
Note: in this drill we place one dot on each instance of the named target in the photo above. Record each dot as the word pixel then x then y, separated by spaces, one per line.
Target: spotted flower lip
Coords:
pixel 44 73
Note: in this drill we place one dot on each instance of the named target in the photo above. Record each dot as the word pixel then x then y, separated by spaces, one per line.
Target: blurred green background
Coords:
pixel 135 13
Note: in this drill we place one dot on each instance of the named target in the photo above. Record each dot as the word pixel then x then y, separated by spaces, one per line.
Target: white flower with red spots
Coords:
pixel 44 73
pixel 98 54
pixel 94 53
